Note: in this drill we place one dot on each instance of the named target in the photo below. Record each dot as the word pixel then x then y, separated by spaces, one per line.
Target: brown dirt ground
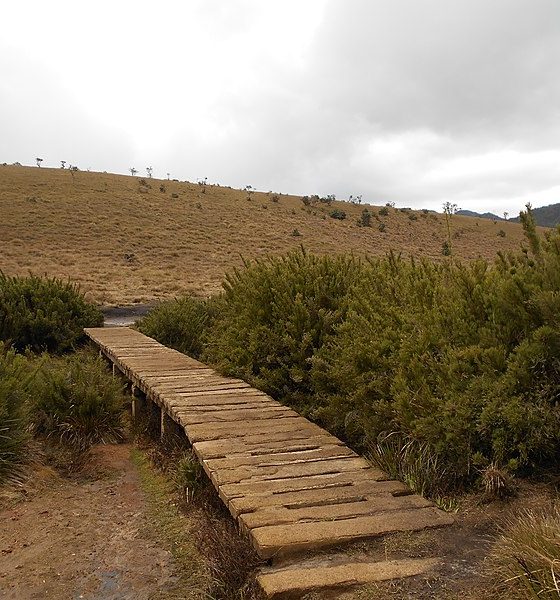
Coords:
pixel 88 539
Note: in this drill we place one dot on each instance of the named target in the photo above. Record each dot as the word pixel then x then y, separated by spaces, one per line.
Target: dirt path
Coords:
pixel 88 540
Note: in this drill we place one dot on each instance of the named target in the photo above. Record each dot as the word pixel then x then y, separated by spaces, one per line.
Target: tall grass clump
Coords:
pixel 178 323
pixel 77 402
pixel 44 314
pixel 188 476
pixel 412 462
pixel 274 315
pixel 526 557
pixel 15 376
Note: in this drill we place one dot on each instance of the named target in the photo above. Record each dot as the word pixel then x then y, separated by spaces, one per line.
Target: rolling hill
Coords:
pixel 128 240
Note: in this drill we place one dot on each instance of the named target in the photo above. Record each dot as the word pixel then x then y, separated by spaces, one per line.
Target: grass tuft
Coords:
pixel 526 557
pixel 414 463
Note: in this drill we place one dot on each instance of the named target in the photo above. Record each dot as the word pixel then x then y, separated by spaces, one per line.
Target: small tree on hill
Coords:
pixel 149 171
pixel 365 219
pixel 133 171
pixel 39 161
pixel 449 210
pixel 62 164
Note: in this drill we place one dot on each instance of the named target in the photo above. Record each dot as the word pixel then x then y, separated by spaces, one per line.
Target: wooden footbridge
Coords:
pixel 293 488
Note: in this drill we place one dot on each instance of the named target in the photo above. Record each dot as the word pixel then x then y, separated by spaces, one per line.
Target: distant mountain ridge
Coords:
pixel 545 216
pixel 486 215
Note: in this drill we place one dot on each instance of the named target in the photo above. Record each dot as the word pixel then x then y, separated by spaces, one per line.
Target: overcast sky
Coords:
pixel 415 102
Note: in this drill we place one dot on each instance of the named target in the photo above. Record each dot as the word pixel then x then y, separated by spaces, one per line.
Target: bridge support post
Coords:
pixel 166 425
pixel 138 402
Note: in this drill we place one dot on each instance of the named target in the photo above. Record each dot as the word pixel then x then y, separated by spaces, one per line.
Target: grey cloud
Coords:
pixel 461 67
pixel 40 117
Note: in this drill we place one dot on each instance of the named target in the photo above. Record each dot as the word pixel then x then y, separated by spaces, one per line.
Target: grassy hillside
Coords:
pixel 125 242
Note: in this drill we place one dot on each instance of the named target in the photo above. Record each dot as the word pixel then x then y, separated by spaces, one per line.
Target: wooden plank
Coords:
pixel 350 491
pixel 235 490
pixel 280 458
pixel 255 473
pixel 297 581
pixel 277 540
pixel 252 445
pixel 277 515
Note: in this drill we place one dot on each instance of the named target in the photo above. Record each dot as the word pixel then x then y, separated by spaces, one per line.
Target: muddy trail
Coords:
pixel 90 539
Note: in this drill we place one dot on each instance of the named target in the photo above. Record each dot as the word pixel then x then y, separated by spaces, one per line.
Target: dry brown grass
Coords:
pixel 126 246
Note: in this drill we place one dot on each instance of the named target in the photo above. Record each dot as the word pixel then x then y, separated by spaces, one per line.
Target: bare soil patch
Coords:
pixel 91 538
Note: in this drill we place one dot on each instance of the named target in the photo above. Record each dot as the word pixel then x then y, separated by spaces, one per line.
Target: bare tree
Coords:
pixel 133 171
pixel 149 171
pixel 39 161
pixel 449 210
pixel 506 215
pixel 63 163
pixel 168 175
pixel 202 183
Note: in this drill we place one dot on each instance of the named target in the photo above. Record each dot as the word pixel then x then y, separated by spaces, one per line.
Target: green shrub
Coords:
pixel 337 214
pixel 15 374
pixel 77 402
pixel 275 315
pixel 461 358
pixel 43 313
pixel 526 558
pixel 179 324
pixel 365 218
pixel 383 211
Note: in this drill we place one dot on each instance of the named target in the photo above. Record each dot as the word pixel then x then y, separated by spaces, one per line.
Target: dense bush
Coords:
pixel 43 314
pixel 460 363
pixel 178 323
pixel 337 214
pixel 365 219
pixel 463 358
pixel 15 374
pixel 275 315
pixel 77 402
